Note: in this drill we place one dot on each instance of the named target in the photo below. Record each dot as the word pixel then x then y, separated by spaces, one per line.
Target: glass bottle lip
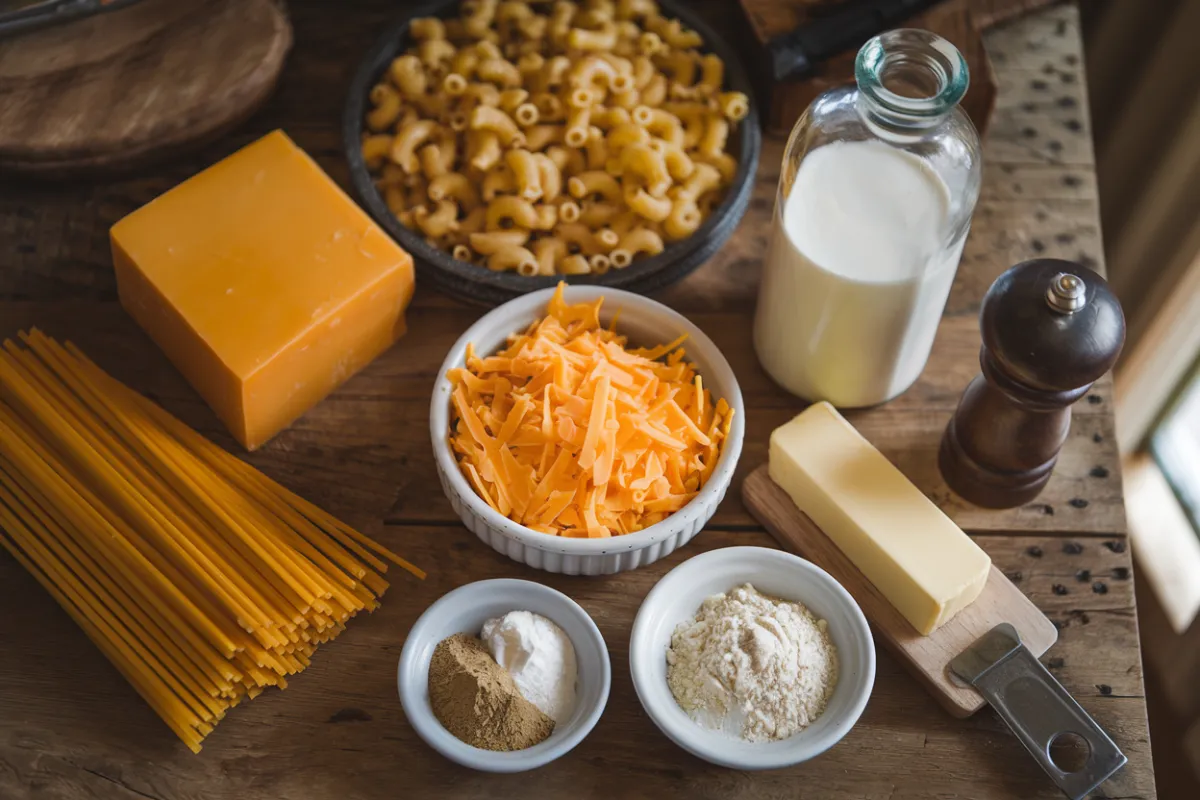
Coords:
pixel 912 47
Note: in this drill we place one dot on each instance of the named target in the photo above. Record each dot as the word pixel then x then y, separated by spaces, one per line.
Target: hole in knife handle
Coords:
pixel 1069 751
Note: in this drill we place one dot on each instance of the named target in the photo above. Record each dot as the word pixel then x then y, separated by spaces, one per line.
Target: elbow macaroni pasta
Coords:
pixel 559 138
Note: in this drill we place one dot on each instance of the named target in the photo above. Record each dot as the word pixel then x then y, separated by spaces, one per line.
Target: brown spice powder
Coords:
pixel 477 701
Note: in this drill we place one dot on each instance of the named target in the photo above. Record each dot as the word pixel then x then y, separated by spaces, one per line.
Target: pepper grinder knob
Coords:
pixel 1050 329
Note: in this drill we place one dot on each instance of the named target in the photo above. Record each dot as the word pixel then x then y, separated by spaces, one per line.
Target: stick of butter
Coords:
pixel 914 554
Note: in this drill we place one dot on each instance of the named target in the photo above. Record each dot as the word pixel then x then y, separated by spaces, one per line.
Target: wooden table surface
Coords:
pixel 71 728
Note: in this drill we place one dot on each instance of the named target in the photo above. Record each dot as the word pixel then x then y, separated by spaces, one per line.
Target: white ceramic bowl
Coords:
pixel 645 322
pixel 464 610
pixel 678 596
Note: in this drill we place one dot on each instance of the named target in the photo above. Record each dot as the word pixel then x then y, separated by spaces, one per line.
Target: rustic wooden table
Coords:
pixel 71 728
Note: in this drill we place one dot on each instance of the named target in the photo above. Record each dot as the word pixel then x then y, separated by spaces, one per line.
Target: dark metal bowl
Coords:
pixel 480 285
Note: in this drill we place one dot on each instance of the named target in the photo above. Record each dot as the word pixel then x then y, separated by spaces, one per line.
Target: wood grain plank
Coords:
pixel 73 729
pixel 367 448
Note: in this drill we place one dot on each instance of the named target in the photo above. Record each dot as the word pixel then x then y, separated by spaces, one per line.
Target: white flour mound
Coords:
pixel 752 666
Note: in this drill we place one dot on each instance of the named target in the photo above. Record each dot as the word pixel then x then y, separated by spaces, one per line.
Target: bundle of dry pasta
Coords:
pixel 200 579
pixel 553 137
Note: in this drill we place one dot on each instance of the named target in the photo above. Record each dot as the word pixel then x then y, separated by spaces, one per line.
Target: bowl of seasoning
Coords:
pixel 617 452
pixel 752 658
pixel 504 675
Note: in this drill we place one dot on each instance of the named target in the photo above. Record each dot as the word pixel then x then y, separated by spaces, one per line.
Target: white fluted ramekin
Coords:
pixel 646 322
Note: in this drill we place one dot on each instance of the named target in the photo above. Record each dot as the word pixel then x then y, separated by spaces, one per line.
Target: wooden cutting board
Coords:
pixel 961 22
pixel 926 657
pixel 121 89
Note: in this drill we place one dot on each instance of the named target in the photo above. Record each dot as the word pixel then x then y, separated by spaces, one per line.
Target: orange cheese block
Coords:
pixel 264 284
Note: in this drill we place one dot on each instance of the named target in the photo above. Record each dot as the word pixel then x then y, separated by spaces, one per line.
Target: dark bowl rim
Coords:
pixel 748 135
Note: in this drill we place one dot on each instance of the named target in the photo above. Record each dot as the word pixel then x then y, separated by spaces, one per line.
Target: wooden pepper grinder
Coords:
pixel 1050 328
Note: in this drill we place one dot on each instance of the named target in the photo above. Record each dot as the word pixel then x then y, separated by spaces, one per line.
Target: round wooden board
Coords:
pixel 118 90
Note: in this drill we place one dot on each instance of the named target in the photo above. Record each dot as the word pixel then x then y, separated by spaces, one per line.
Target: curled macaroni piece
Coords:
pixel 596 148
pixel 655 92
pixel 712 72
pixel 409 76
pixel 538 136
pixel 594 214
pixel 492 241
pixel 592 71
pixel 548 252
pixel 550 108
pixel 569 160
pixel 474 221
pixel 387 107
pixel 486 150
pixel 423 28
pixel 717 134
pixel 603 39
pixel 513 258
pixel 661 123
pixel 489 118
pixel 606 238
pixel 608 118
pixel 409 138
pixel 683 220
pixel 637 241
pixel 568 211
pixel 590 184
pixel 574 265
pixel 511 98
pixel 549 176
pixel 375 150
pixel 526 114
pixel 457 187
pixel 679 164
pixel 705 179
pixel 443 220
pixel 655 209
pixel 576 134
pixel 726 164
pixel 734 105
pixel 579 238
pixel 435 53
pixel 625 134
pixel 547 216
pixel 643 161
pixel 499 71
pixel 525 173
pixel 517 212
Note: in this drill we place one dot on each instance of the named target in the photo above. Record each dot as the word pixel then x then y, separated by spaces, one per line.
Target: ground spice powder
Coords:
pixel 477 700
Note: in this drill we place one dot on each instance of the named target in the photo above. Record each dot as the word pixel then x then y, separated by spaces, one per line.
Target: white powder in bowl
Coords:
pixel 752 666
pixel 540 658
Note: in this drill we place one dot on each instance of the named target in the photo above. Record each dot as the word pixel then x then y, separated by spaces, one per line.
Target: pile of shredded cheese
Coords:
pixel 570 432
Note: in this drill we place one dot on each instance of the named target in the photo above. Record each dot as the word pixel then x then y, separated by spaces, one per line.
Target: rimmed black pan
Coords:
pixel 477 284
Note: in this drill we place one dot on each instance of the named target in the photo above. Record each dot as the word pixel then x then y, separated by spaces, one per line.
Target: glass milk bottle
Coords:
pixel 874 203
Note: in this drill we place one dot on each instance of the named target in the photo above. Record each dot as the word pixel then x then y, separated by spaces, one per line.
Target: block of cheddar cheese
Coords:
pixel 263 283
pixel 914 554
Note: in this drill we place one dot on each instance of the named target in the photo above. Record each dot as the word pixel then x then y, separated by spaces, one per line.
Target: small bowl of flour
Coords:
pixel 752 658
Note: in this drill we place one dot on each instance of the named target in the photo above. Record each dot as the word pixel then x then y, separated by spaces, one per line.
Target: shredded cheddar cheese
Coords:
pixel 570 432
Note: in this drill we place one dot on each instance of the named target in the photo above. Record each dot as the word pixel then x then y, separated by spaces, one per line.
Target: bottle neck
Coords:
pixel 909 81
